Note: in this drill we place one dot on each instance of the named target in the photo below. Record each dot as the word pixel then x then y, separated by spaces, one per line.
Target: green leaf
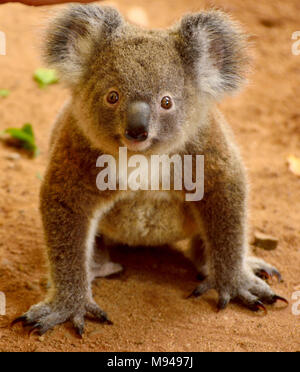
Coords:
pixel 4 93
pixel 25 136
pixel 45 77
pixel 27 128
pixel 20 135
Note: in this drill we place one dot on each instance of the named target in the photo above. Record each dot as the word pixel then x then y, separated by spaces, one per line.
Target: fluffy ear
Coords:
pixel 214 51
pixel 73 34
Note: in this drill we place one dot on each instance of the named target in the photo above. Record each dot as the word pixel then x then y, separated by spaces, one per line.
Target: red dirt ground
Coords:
pixel 147 302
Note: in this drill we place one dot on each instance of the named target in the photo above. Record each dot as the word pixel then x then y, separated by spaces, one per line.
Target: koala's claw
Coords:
pixel 263 274
pixel 223 302
pixel 279 298
pixel 201 289
pixel 262 269
pixel 99 314
pixel 35 329
pixel 193 294
pixel 268 274
pixel 276 298
pixel 78 323
pixel 80 331
pixel 21 319
pixel 258 305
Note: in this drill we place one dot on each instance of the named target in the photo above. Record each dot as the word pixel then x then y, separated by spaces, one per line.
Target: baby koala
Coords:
pixel 152 92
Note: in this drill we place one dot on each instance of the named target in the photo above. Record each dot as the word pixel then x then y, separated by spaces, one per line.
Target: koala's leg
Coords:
pixel 223 219
pixel 101 264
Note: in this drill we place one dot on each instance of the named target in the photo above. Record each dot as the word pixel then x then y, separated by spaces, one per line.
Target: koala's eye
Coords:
pixel 112 97
pixel 166 103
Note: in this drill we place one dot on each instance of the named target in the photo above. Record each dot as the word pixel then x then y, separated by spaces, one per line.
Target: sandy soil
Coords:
pixel 147 302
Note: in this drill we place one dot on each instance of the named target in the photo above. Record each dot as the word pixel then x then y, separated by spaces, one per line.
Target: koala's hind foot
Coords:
pixel 104 270
pixel 101 265
pixel 45 316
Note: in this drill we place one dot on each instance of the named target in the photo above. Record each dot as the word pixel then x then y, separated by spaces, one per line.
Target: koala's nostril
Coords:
pixel 138 134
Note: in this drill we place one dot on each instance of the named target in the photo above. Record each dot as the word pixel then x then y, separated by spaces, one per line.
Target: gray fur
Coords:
pixel 73 36
pixel 214 49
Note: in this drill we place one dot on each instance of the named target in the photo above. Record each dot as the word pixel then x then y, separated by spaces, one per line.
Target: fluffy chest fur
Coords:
pixel 148 218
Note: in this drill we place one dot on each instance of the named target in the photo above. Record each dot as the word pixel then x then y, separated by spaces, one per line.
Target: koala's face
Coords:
pixel 136 91
pixel 137 88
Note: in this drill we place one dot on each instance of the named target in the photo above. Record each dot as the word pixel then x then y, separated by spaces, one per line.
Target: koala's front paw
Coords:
pixel 45 316
pixel 244 287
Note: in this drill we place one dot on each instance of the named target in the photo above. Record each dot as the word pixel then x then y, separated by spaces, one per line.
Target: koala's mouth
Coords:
pixel 137 146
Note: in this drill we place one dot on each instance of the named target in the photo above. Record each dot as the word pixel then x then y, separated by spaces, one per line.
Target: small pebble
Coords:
pixel 139 342
pixel 264 241
pixel 13 156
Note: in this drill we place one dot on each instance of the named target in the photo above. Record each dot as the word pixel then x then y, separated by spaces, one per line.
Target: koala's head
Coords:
pixel 147 90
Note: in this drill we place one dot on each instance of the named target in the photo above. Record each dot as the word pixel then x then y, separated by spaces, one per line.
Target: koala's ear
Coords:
pixel 214 51
pixel 72 35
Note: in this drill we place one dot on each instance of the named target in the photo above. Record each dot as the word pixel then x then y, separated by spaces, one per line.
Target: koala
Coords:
pixel 153 92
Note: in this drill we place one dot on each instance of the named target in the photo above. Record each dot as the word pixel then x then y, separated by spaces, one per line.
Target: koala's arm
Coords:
pixel 223 220
pixel 70 204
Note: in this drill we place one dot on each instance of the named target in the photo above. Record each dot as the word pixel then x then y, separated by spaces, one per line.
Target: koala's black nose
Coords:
pixel 139 134
pixel 138 117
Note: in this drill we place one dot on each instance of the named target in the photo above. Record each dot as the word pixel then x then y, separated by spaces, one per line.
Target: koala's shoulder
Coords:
pixel 68 145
